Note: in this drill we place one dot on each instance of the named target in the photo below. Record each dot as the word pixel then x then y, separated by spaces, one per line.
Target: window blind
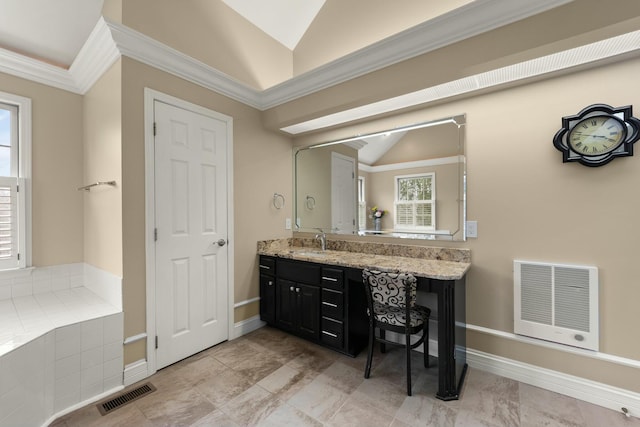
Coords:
pixel 11 234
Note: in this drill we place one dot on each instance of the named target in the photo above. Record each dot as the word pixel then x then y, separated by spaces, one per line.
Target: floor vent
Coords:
pixel 124 398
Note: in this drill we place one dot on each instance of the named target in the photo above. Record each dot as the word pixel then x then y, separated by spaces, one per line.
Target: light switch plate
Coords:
pixel 287 224
pixel 472 229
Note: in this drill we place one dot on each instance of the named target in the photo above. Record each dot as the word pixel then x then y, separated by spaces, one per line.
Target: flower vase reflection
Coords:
pixel 377 215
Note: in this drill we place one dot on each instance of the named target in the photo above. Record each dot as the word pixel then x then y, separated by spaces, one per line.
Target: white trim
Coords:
pixel 150 96
pixel 97 55
pixel 134 338
pixel 82 404
pixel 580 58
pixel 246 302
pixel 136 371
pixel 150 207
pixel 243 327
pixel 590 391
pixel 467 21
pixel 560 347
pixel 142 48
pixel 24 167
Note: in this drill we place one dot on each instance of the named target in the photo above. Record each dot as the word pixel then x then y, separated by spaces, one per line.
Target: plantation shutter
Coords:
pixel 12 236
pixel 404 214
pixel 423 214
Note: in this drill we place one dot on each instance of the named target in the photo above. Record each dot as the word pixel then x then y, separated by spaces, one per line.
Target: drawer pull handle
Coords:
pixel 330 334
pixel 270 283
pixel 291 288
pixel 330 279
pixel 330 304
pixel 266 267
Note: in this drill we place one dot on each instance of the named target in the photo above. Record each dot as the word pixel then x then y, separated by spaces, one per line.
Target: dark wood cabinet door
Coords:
pixel 267 298
pixel 308 302
pixel 286 304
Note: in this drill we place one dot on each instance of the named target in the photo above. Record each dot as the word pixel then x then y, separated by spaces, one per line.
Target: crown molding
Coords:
pixel 142 48
pixel 28 68
pixel 109 41
pixel 467 21
pixel 97 55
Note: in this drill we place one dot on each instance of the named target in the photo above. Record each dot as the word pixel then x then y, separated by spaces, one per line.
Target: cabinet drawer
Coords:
pixel 332 332
pixel 332 304
pixel 297 271
pixel 267 265
pixel 332 278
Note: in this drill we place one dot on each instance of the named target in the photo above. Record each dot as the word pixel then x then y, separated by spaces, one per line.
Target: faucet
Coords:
pixel 322 236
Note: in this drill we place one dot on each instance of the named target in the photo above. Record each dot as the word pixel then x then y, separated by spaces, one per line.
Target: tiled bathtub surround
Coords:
pixel 60 341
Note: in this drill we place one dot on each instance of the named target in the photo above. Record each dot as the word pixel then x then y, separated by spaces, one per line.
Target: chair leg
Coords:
pixel 408 347
pixel 372 338
pixel 425 344
pixel 383 346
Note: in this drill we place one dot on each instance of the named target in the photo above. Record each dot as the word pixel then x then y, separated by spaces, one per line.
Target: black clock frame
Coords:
pixel 623 114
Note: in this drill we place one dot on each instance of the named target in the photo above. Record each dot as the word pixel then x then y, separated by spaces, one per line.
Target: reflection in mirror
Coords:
pixel 406 182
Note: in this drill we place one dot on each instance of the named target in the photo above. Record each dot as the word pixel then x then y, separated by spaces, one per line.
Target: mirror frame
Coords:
pixel 460 122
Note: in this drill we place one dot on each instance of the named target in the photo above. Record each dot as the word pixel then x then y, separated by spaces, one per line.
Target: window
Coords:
pixel 362 204
pixel 415 202
pixel 15 156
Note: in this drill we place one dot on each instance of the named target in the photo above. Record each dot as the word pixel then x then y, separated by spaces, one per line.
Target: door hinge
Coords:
pixel 155 234
pixel 17 188
pixel 155 129
pixel 18 257
pixel 156 342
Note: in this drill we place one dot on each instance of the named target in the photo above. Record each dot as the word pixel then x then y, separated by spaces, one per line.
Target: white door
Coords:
pixel 343 194
pixel 191 226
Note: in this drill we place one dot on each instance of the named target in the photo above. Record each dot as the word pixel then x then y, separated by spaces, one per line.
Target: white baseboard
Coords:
pixel 580 388
pixel 245 326
pixel 82 404
pixel 136 371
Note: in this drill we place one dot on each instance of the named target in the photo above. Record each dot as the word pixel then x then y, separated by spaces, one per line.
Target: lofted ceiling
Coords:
pixel 50 31
pixel 55 31
pixel 67 44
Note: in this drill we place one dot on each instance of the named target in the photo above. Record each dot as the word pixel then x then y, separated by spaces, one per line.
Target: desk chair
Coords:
pixel 391 300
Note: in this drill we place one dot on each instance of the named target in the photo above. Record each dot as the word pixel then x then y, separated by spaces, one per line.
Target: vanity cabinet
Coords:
pixel 312 301
pixel 297 307
pixel 267 267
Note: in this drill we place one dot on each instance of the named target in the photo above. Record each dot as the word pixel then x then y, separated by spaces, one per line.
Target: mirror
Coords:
pixel 406 182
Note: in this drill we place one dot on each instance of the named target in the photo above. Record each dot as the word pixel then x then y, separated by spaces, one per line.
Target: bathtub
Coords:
pixel 61 341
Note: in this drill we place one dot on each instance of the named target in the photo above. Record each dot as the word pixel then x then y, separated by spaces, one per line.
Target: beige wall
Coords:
pixel 503 46
pixel 262 166
pixel 531 206
pixel 103 162
pixel 56 169
pixel 342 27
pixel 212 32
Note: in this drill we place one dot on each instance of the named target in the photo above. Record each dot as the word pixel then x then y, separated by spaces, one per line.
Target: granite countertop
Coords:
pixel 429 262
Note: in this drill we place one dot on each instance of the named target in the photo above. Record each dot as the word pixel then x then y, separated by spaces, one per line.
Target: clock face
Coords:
pixel 597 135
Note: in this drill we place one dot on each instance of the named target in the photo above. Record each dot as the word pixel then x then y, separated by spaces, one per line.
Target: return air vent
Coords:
pixel 124 398
pixel 557 303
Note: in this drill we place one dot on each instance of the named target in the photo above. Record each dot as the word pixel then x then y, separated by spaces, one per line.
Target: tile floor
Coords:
pixel 269 378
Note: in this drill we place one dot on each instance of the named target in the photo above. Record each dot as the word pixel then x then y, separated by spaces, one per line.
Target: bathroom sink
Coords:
pixel 313 254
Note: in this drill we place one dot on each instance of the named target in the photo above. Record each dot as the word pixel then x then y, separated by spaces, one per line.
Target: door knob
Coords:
pixel 221 242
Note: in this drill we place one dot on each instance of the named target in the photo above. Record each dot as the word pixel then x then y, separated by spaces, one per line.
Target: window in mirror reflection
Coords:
pixel 415 202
